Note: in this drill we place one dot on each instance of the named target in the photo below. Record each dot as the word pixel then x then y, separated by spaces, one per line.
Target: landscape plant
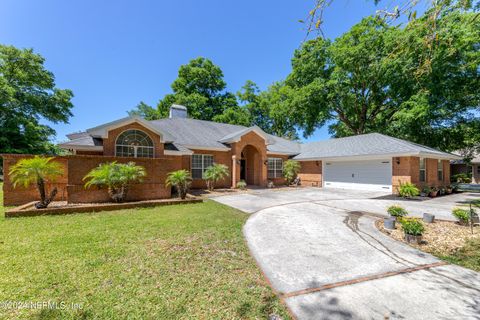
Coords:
pixel 116 177
pixel 412 226
pixel 408 190
pixel 180 180
pixel 40 171
pixel 463 215
pixel 461 178
pixel 242 185
pixel 397 211
pixel 215 173
pixel 291 168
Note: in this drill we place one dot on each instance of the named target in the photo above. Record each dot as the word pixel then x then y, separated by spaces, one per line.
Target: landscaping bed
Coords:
pixel 62 207
pixel 446 240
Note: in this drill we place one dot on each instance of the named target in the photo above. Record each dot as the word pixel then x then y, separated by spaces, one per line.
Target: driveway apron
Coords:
pixel 331 263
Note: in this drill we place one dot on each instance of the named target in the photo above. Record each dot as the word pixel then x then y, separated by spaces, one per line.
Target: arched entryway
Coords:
pixel 251 165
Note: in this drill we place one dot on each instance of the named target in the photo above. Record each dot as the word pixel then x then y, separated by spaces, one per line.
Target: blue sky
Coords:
pixel 113 54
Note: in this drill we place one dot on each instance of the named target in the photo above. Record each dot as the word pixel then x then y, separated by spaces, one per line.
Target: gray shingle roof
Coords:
pixel 371 144
pixel 85 140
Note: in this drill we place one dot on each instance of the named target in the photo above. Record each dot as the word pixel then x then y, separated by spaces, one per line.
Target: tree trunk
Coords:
pixel 118 194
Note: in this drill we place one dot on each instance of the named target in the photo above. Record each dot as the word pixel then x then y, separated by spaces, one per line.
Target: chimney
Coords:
pixel 178 111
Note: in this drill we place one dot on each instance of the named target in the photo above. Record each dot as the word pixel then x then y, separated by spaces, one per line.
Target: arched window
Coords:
pixel 134 143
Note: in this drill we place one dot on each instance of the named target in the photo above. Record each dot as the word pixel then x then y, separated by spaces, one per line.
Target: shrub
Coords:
pixel 412 226
pixel 116 177
pixel 37 170
pixel 426 190
pixel 461 178
pixel 461 214
pixel 215 173
pixel 181 180
pixel 408 190
pixel 397 211
pixel 291 168
pixel 242 185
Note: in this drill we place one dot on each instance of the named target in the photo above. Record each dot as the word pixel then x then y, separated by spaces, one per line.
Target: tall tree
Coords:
pixel 200 87
pixel 373 78
pixel 28 94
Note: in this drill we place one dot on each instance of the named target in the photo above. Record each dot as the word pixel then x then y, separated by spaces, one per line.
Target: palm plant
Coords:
pixel 215 173
pixel 117 177
pixel 291 168
pixel 38 170
pixel 181 180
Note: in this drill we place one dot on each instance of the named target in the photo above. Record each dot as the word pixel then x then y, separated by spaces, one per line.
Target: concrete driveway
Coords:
pixel 328 261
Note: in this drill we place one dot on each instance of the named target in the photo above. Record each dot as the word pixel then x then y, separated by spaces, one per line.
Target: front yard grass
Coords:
pixel 177 262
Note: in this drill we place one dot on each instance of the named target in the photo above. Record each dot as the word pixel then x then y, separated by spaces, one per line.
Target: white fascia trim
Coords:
pixel 255 129
pixel 102 131
pixel 177 153
pixel 188 146
pixel 281 153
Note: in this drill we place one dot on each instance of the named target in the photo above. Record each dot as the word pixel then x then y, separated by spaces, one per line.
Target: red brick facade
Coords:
pixel 311 173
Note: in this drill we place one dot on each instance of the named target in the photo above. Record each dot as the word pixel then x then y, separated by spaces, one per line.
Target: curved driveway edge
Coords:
pixel 330 263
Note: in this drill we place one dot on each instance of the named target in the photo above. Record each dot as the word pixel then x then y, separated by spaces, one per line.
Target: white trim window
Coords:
pixel 423 170
pixel 200 163
pixel 440 170
pixel 134 143
pixel 275 168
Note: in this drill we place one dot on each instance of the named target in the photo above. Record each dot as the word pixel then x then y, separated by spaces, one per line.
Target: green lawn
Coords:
pixel 467 256
pixel 177 262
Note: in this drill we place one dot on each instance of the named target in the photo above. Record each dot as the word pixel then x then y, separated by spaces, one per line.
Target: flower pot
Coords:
pixel 389 223
pixel 428 218
pixel 476 219
pixel 433 194
pixel 449 191
pixel 410 238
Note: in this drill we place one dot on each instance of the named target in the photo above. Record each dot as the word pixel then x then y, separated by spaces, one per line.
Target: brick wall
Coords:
pixel 109 143
pixel 220 157
pixel 71 184
pixel 20 195
pixel 311 173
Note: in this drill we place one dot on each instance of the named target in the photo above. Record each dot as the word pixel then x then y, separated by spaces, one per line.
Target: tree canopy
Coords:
pixel 378 77
pixel 28 94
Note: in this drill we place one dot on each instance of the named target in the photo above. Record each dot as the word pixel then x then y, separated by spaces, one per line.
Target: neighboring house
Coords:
pixel 472 168
pixel 364 162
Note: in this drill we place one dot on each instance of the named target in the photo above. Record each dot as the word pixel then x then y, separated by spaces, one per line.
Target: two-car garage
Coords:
pixel 373 175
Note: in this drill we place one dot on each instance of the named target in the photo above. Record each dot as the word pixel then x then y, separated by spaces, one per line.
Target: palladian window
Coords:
pixel 134 143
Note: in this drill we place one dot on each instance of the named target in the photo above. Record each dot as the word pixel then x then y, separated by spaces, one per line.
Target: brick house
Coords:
pixel 472 168
pixel 367 162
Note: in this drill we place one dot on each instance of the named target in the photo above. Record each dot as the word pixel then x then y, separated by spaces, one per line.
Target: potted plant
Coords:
pixel 215 173
pixel 449 189
pixel 270 184
pixel 116 177
pixel 442 191
pixel 397 212
pixel 433 192
pixel 413 230
pixel 181 180
pixel 425 191
pixel 242 185
pixel 464 217
pixel 40 171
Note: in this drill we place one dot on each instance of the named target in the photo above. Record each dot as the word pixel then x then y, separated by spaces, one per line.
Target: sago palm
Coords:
pixel 181 180
pixel 37 170
pixel 215 173
pixel 116 177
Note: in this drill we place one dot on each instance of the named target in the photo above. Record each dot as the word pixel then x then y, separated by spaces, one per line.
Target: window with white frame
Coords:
pixel 134 143
pixel 200 162
pixel 440 170
pixel 422 170
pixel 275 168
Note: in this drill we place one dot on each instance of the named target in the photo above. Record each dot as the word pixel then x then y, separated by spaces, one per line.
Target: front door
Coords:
pixel 243 170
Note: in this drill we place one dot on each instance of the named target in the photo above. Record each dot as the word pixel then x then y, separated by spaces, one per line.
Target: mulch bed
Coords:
pixel 440 237
pixel 62 207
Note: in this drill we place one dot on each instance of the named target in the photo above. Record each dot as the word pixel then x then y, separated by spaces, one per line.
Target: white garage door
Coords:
pixel 375 175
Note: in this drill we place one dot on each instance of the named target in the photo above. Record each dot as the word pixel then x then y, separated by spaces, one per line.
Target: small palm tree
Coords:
pixel 215 173
pixel 38 170
pixel 291 168
pixel 117 177
pixel 181 180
